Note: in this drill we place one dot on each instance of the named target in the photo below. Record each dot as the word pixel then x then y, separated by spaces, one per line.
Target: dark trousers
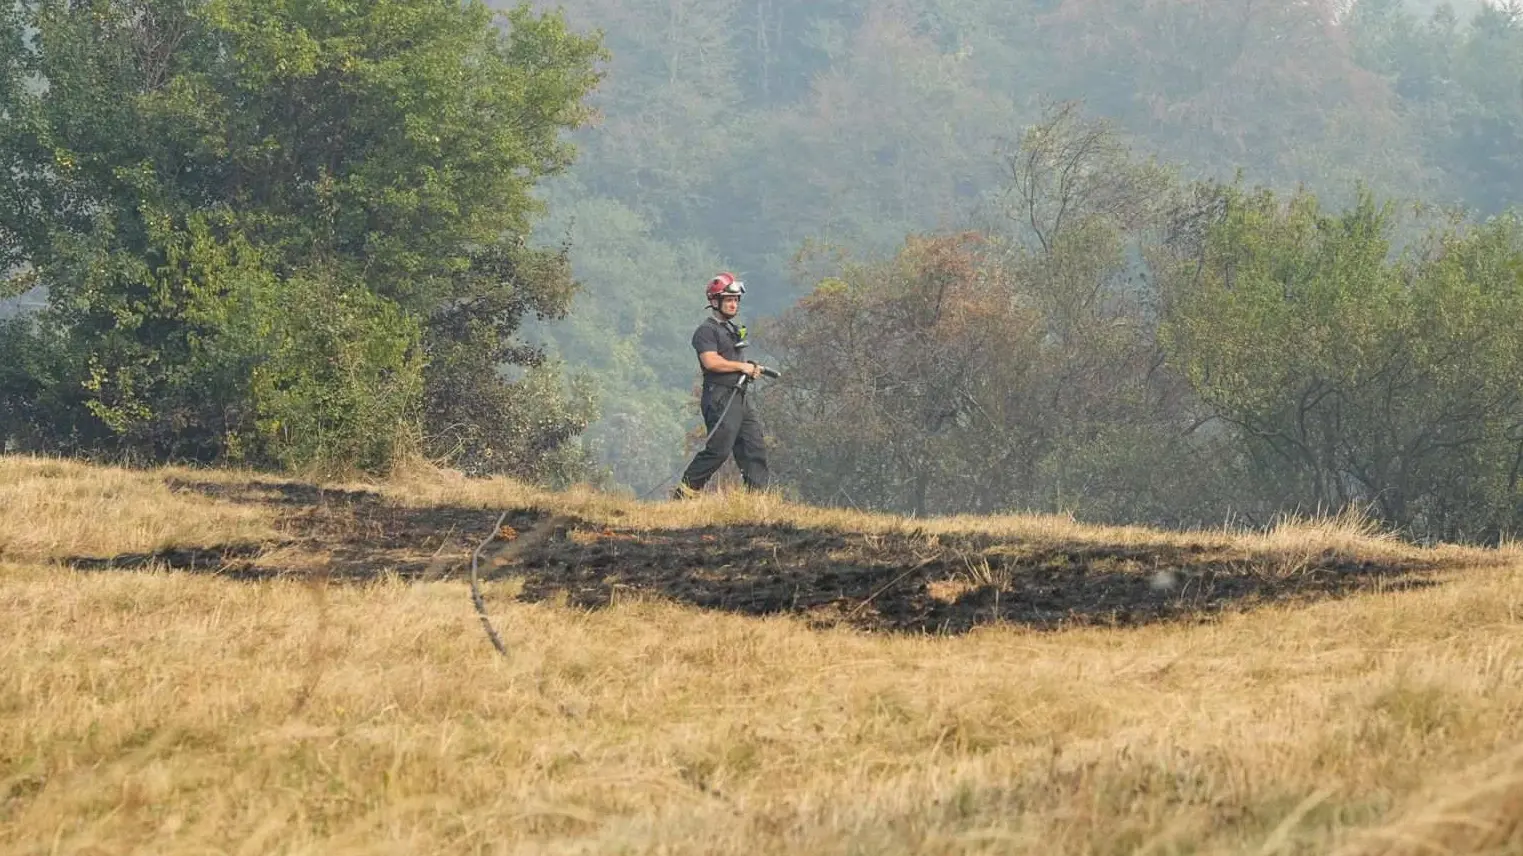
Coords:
pixel 740 434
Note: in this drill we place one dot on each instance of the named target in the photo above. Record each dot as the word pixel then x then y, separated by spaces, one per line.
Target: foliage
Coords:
pixel 752 128
pixel 1460 87
pixel 1351 374
pixel 343 383
pixel 295 231
pixel 1012 368
pixel 885 363
pixel 480 422
pixel 1088 358
pixel 260 224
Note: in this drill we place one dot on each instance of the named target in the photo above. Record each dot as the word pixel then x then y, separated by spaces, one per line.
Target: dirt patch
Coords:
pixel 904 582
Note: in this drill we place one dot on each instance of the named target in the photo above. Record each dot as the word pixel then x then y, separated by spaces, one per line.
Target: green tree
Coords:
pixel 1104 421
pixel 1354 375
pixel 1016 368
pixel 286 231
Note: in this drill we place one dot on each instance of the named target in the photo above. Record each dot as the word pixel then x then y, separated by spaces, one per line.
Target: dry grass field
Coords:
pixel 210 662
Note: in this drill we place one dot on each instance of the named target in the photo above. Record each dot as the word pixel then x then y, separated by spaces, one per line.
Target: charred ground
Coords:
pixel 909 581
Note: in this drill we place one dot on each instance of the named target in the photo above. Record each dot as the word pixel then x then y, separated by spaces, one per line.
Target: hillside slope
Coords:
pixel 201 661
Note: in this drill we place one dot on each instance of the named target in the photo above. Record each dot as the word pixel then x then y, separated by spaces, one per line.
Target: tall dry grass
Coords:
pixel 155 712
pixel 55 508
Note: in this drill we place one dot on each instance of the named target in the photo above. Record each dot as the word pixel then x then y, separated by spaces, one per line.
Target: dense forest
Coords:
pixel 1158 261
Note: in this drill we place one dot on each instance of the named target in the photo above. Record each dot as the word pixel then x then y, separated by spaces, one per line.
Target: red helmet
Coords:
pixel 724 285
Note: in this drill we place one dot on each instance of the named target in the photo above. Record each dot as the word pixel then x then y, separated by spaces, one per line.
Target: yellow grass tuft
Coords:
pixel 174 713
pixel 1477 811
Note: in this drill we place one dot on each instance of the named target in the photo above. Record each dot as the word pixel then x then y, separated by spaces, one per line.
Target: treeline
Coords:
pixel 1127 347
pixel 731 132
pixel 332 235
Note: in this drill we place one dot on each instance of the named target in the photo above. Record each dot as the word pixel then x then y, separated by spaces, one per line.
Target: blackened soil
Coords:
pixel 916 583
pixel 342 535
pixel 902 582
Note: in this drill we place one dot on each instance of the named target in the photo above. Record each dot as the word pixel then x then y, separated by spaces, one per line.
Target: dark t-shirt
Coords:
pixel 713 335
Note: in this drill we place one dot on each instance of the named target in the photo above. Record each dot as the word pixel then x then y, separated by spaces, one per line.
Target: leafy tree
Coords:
pixel 1107 420
pixel 286 232
pixel 885 362
pixel 1014 368
pixel 1354 375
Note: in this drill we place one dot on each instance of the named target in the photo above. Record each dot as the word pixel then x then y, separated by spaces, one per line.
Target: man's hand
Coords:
pixel 713 362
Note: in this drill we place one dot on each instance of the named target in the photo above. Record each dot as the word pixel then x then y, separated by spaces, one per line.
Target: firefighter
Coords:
pixel 732 424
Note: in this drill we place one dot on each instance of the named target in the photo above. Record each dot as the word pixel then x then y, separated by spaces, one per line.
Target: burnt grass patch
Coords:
pixel 918 583
pixel 343 535
pixel 907 582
